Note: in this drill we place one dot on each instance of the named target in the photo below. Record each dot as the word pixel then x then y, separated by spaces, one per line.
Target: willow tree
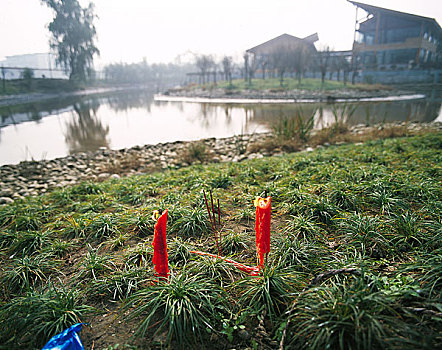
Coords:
pixel 73 36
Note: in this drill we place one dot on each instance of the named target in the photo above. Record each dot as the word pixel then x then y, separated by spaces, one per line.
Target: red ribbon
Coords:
pixel 253 271
pixel 160 260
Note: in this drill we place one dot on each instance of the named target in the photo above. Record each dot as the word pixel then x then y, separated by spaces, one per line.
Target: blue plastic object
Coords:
pixel 66 340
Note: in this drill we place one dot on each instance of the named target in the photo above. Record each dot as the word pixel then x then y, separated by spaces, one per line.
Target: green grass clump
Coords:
pixel 30 321
pixel 350 314
pixel 355 258
pixel 185 308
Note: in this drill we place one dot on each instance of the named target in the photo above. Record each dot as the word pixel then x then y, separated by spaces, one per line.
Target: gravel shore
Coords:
pixel 30 178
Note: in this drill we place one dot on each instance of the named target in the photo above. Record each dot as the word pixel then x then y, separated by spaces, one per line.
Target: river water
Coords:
pixel 52 129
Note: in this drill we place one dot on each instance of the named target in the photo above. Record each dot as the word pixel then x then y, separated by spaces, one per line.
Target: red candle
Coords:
pixel 262 228
pixel 160 260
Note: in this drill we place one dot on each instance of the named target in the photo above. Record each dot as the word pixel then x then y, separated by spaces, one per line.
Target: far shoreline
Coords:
pixel 282 100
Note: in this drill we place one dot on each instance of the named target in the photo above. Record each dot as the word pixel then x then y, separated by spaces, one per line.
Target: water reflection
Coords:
pixel 123 102
pixel 121 120
pixel 86 132
pixel 368 113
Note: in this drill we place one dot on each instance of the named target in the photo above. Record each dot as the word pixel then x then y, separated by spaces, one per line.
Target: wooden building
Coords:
pixel 286 47
pixel 388 40
pixel 284 41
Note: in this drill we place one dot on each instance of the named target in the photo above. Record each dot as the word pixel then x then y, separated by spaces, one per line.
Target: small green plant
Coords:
pixel 31 320
pixel 366 233
pixel 94 265
pixel 231 326
pixel 59 247
pixel 191 222
pixel 103 226
pixel 214 269
pixel 302 227
pixel 352 314
pixel 86 188
pixel 179 251
pixel 297 127
pixel 344 199
pixel 76 227
pixel 30 242
pixel 26 273
pixel 300 254
pixel 139 256
pixel 196 152
pixel 221 181
pixel 269 291
pixel 233 242
pixel 186 307
pixel 118 286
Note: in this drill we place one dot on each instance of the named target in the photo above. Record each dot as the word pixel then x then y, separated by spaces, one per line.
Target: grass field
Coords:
pixel 355 261
pixel 274 84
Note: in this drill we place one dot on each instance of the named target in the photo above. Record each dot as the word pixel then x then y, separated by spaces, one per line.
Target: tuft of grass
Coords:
pixel 25 273
pixel 191 222
pixel 185 308
pixel 30 242
pixel 196 152
pixel 367 234
pixel 355 313
pixel 269 292
pixel 234 242
pixel 302 227
pixel 138 257
pixel 94 265
pixel 179 251
pixel 30 321
pixel 118 286
pixel 300 254
pixel 297 127
pixel 212 269
pixel 103 226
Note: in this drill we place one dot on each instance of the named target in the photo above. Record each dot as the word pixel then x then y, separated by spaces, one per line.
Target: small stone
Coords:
pixel 103 175
pixel 6 192
pixel 243 334
pixel 6 200
pixel 255 156
pixel 113 176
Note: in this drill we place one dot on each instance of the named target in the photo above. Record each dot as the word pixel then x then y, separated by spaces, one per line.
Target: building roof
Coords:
pixel 375 9
pixel 284 41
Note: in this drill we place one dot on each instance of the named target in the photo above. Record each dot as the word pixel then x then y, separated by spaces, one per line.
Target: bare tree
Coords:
pixel 204 63
pixel 282 62
pixel 250 67
pixel 323 61
pixel 227 67
pixel 300 61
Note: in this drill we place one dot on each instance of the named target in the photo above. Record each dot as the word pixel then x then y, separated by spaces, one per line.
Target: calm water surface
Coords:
pixel 58 128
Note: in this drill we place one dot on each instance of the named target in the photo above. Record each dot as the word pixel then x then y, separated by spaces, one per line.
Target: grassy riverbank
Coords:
pixel 21 86
pixel 46 86
pixel 274 84
pixel 356 255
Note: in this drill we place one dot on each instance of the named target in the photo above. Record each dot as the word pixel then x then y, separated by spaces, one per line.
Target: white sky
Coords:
pixel 160 30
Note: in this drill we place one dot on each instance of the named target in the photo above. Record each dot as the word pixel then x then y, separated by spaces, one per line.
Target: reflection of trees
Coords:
pixel 365 113
pixel 87 132
pixel 124 101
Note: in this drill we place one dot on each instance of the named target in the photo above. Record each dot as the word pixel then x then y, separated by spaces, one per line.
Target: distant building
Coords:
pixel 392 40
pixel 259 57
pixel 284 41
pixel 43 65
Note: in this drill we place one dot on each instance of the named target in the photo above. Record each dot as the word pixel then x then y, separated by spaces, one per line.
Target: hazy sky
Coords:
pixel 160 30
